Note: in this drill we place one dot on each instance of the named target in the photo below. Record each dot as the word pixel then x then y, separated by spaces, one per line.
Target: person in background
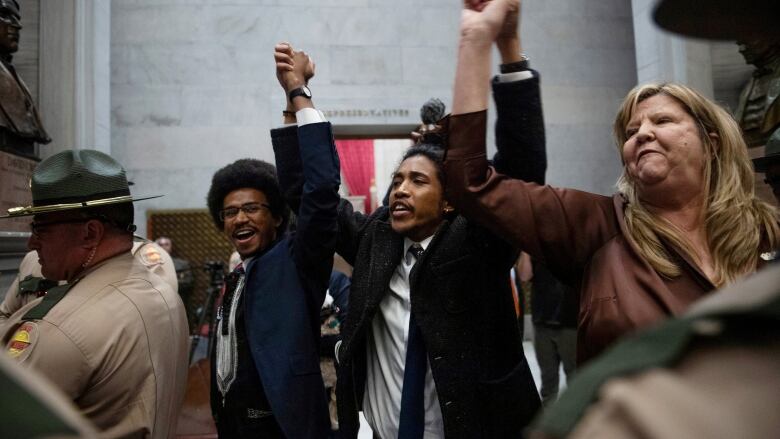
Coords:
pixel 554 314
pixel 183 269
pixel 334 312
pixel 685 221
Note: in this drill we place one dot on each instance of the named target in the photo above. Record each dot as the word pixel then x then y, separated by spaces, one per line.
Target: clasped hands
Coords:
pixel 293 68
pixel 486 21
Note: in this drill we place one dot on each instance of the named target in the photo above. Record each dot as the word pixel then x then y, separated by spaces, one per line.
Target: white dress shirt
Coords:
pixel 305 116
pixel 386 358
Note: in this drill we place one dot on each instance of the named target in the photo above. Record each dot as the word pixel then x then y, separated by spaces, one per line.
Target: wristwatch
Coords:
pixel 300 91
pixel 517 66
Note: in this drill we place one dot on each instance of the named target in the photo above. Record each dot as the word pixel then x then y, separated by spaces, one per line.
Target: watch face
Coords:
pixel 306 91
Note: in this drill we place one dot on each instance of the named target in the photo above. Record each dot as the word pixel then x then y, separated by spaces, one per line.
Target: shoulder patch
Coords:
pixel 150 256
pixel 21 344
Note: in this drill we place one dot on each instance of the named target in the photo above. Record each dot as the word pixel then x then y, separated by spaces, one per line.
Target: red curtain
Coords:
pixel 357 166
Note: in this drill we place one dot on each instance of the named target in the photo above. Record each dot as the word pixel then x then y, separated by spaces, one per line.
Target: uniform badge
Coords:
pixel 151 256
pixel 20 345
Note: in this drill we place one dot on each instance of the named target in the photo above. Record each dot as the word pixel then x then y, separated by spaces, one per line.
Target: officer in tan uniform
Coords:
pixel 113 338
pixel 29 284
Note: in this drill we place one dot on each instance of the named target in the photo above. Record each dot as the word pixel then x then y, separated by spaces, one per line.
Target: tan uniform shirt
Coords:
pixel 13 301
pixel 150 254
pixel 116 344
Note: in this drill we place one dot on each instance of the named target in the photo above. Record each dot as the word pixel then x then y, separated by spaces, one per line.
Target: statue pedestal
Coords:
pixel 15 174
pixel 14 145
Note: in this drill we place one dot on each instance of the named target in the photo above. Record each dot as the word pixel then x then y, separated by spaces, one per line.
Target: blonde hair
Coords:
pixel 736 221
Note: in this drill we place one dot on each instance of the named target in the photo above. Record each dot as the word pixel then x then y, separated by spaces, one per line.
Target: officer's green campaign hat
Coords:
pixel 719 19
pixel 76 179
pixel 771 153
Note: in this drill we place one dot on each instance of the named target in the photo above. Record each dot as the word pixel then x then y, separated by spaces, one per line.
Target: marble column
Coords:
pixel 74 74
pixel 664 57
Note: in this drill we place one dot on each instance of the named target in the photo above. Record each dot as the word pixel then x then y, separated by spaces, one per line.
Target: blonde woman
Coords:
pixel 684 222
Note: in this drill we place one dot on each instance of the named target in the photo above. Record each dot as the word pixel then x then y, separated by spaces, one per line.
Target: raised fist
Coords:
pixel 293 68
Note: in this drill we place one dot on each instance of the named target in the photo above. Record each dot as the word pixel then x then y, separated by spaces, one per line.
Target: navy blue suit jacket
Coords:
pixel 285 289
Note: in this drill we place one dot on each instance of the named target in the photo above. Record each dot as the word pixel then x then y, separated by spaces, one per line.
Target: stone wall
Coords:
pixel 193 85
pixel 584 50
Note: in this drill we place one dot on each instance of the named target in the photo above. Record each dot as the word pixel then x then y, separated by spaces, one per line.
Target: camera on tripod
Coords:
pixel 216 271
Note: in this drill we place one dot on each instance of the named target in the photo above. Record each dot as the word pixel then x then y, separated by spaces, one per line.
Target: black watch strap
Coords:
pixel 518 66
pixel 300 91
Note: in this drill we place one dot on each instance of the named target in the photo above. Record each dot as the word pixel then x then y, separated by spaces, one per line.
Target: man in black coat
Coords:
pixel 456 295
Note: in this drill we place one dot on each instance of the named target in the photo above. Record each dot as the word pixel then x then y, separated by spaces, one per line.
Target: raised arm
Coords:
pixel 481 23
pixel 520 137
pixel 315 237
pixel 562 227
pixel 288 145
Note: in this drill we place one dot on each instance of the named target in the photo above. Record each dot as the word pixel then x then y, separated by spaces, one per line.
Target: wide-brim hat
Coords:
pixel 719 19
pixel 76 179
pixel 771 153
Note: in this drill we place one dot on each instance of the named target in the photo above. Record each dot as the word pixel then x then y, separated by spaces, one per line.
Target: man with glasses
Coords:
pixel 265 377
pixel 113 337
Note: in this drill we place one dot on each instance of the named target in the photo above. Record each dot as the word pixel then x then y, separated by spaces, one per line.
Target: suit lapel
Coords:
pixel 388 248
pixel 435 244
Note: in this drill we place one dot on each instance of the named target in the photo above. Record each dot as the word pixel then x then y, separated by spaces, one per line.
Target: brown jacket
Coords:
pixel 581 236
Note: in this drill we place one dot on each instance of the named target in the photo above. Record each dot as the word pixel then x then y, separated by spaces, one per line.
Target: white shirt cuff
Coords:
pixel 306 116
pixel 515 76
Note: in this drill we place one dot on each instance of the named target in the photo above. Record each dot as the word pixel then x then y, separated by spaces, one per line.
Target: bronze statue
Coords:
pixel 759 107
pixel 20 124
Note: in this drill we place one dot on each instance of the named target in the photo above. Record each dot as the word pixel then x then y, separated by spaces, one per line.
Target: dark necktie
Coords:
pixel 412 419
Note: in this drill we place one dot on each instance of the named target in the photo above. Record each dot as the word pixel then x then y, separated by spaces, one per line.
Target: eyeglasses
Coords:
pixel 248 209
pixel 36 227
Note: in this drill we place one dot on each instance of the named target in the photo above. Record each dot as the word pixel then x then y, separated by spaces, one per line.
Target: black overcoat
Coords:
pixel 460 290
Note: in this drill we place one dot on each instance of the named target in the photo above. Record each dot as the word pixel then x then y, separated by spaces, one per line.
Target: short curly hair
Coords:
pixel 247 173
